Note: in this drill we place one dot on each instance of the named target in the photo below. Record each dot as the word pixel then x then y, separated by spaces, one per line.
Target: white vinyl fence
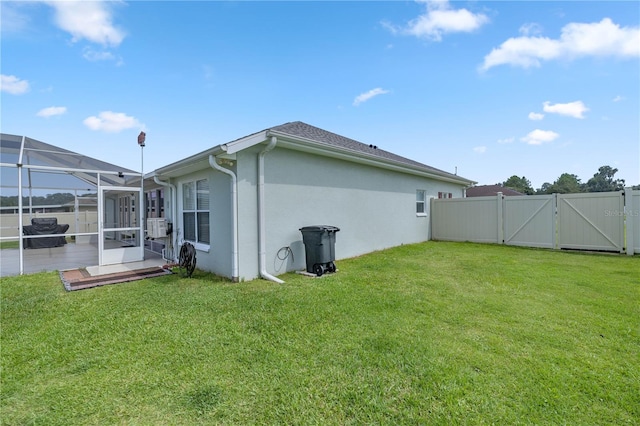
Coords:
pixel 79 222
pixel 603 221
pixel 633 221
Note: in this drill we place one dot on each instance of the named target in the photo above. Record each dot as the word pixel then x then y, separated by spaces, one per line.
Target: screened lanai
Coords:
pixel 63 210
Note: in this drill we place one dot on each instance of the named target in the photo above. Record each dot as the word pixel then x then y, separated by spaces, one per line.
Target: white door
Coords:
pixel 120 233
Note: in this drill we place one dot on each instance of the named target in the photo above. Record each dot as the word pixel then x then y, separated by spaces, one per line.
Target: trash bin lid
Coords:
pixel 319 228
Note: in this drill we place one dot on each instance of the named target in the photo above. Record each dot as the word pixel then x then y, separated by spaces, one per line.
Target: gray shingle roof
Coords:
pixel 303 130
pixel 489 190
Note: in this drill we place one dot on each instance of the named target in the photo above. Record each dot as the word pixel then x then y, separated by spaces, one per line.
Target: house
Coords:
pixel 491 190
pixel 242 203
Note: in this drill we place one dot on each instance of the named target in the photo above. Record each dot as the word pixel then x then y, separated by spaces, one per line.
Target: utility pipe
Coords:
pixel 235 276
pixel 174 213
pixel 262 258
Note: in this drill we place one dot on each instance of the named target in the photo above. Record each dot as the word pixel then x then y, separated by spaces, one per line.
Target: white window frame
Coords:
pixel 420 202
pixel 197 242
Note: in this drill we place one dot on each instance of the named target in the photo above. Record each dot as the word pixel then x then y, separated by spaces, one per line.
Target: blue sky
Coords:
pixel 494 89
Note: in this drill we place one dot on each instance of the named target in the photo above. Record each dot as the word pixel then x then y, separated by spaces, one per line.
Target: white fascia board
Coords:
pixel 186 165
pixel 244 143
pixel 227 150
pixel 306 145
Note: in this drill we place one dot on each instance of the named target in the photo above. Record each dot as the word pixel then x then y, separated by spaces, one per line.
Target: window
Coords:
pixel 420 202
pixel 126 212
pixel 155 203
pixel 195 211
pixel 445 195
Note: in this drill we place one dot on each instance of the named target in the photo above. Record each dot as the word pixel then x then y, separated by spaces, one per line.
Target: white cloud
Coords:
pixel 530 29
pixel 617 98
pixel 89 20
pixel 600 39
pixel 572 109
pixel 13 85
pixel 112 122
pixel 506 140
pixel 363 97
pixel 480 149
pixel 51 111
pixel 535 116
pixel 538 137
pixel 439 19
pixel 93 55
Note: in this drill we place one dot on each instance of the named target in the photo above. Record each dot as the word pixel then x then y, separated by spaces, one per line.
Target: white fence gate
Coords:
pixel 588 221
pixel 529 220
pixel 592 221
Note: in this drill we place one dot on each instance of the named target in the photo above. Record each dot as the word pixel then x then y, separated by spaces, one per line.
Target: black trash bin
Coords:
pixel 319 243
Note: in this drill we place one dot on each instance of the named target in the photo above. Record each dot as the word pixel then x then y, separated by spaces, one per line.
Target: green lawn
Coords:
pixel 14 244
pixel 432 333
pixel 9 244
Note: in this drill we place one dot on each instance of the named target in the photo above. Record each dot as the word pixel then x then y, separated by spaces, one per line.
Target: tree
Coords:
pixel 37 200
pixel 59 198
pixel 520 184
pixel 603 181
pixel 566 184
pixel 545 189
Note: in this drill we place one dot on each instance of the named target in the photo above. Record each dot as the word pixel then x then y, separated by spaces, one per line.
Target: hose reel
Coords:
pixel 187 259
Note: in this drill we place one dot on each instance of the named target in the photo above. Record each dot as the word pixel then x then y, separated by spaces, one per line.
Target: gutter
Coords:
pixel 262 250
pixel 234 216
pixel 174 213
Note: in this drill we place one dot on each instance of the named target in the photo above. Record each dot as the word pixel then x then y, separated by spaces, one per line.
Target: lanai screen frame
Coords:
pixel 23 153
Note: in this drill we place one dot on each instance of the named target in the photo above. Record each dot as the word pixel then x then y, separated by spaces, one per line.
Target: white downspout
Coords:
pixel 174 213
pixel 235 275
pixel 262 259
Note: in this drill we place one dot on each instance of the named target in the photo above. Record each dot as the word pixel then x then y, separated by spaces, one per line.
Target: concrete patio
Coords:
pixel 69 256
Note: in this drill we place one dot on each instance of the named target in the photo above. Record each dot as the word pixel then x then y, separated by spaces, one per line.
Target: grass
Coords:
pixel 433 333
pixel 9 244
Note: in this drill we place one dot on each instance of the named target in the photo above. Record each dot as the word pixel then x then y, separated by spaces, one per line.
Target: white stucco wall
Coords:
pixel 218 257
pixel 374 208
pixel 247 173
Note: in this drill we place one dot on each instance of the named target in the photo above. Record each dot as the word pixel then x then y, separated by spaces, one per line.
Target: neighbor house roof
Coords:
pixel 302 136
pixel 489 190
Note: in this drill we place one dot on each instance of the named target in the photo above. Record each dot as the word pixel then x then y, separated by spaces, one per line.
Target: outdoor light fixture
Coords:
pixel 143 205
